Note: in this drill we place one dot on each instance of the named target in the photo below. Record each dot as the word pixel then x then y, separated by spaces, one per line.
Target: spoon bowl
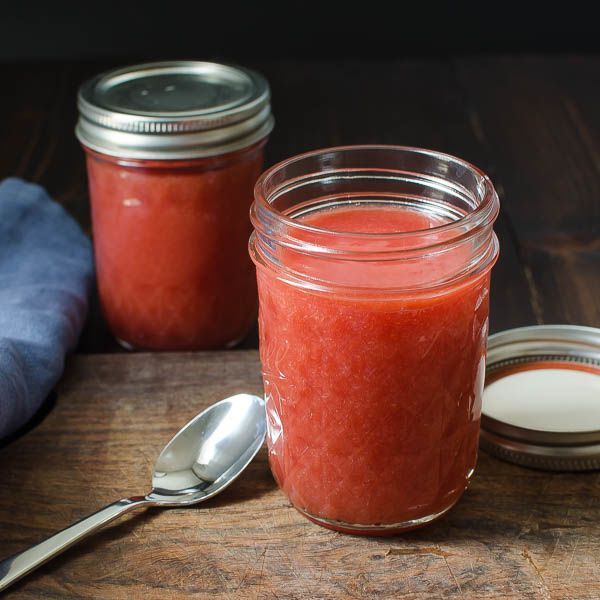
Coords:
pixel 210 452
pixel 203 458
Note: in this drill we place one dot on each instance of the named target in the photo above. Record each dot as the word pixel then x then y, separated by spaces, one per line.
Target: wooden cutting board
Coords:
pixel 516 533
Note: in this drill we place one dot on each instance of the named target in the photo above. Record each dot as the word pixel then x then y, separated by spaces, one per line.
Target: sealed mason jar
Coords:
pixel 373 266
pixel 173 150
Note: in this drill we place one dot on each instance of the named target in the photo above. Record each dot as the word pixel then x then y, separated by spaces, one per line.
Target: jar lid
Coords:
pixel 173 110
pixel 541 402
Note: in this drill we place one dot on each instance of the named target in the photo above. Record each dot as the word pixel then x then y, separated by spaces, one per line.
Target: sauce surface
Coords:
pixel 370 219
pixel 373 403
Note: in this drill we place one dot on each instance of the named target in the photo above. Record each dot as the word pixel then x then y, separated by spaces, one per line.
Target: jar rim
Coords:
pixel 485 212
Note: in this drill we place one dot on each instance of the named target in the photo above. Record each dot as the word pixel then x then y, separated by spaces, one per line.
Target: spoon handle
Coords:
pixel 16 566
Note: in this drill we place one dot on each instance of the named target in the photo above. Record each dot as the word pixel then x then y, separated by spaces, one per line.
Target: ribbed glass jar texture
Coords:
pixel 373 267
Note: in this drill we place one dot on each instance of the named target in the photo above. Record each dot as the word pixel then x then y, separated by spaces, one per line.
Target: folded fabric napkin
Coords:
pixel 46 270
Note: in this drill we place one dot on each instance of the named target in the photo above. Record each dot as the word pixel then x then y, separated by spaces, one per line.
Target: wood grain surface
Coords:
pixel 531 122
pixel 516 533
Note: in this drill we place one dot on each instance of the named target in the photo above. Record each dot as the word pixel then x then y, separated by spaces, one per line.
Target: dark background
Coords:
pixel 246 29
pixel 512 87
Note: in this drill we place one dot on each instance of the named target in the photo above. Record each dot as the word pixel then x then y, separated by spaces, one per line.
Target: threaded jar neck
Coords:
pixel 458 197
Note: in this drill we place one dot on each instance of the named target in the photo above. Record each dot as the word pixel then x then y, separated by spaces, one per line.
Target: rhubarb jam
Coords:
pixel 170 242
pixel 373 325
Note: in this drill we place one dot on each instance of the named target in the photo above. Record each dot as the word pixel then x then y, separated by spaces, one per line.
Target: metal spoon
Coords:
pixel 198 463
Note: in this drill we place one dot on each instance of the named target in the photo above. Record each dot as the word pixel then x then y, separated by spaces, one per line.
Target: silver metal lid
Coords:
pixel 173 110
pixel 541 402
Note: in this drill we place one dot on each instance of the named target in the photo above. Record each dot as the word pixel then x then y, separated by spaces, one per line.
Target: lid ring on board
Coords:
pixel 549 377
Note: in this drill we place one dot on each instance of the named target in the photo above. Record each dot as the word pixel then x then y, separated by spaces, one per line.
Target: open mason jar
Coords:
pixel 173 151
pixel 373 267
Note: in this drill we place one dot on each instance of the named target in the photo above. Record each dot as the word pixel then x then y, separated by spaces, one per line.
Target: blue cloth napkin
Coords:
pixel 46 271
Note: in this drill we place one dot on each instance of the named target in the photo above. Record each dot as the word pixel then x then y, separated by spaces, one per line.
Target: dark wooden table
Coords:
pixel 533 124
pixel 516 533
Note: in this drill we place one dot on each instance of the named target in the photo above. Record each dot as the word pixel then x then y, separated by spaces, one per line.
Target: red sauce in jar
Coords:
pixel 170 239
pixel 373 402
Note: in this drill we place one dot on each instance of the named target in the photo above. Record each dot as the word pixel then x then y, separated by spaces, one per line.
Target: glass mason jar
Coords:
pixel 373 267
pixel 173 150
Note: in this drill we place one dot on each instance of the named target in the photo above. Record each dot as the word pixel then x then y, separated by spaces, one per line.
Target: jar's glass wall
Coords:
pixel 373 344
